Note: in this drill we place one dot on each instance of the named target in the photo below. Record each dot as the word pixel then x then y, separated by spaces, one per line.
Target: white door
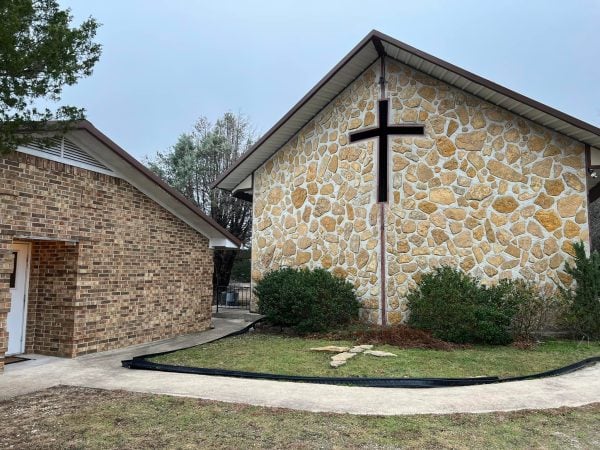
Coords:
pixel 18 298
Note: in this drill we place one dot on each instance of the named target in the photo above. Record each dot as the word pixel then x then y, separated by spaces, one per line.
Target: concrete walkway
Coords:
pixel 104 371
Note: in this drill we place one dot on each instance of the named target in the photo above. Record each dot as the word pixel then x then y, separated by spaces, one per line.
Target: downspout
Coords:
pixel 589 194
pixel 382 237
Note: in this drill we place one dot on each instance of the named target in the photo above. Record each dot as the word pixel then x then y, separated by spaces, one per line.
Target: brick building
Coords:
pixel 96 252
pixel 397 162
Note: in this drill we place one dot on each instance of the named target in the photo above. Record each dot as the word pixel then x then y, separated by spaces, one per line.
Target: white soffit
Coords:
pixel 342 75
pixel 245 185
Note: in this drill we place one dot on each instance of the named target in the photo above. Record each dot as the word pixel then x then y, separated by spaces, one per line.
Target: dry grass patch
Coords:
pixel 73 418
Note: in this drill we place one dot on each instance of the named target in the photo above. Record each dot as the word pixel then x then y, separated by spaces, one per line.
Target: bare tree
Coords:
pixel 195 161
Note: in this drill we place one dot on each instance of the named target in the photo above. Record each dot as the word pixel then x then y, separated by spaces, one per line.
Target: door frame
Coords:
pixel 26 246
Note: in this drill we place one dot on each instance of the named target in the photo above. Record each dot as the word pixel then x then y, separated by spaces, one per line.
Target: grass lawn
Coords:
pixel 291 356
pixel 69 418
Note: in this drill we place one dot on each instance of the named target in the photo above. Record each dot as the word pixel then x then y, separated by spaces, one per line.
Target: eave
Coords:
pixel 357 61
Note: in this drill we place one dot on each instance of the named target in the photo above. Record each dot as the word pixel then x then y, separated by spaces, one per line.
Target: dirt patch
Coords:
pixel 406 337
pixel 398 335
pixel 23 417
pixel 401 336
pixel 524 345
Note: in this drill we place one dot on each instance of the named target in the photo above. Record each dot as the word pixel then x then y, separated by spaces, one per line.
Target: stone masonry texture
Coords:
pixel 109 266
pixel 483 190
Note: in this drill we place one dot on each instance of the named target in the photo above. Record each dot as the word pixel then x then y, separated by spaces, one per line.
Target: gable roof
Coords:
pixel 368 50
pixel 125 166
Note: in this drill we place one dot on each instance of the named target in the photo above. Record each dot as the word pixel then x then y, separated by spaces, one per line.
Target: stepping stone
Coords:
pixel 335 364
pixel 378 353
pixel 360 348
pixel 343 356
pixel 330 348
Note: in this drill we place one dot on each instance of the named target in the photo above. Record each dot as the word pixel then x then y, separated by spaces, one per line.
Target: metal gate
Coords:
pixel 234 296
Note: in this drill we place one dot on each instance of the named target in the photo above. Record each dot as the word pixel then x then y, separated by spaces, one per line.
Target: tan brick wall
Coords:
pixel 483 189
pixel 51 299
pixel 140 273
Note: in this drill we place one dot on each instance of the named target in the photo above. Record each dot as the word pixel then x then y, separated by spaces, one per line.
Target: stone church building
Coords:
pixel 397 162
pixel 96 252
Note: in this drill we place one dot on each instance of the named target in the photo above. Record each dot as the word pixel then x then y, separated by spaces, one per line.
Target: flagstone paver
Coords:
pixel 346 353
pixel 330 348
pixel 379 353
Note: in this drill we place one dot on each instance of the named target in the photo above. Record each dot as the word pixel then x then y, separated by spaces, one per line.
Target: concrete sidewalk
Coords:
pixel 104 371
pixel 45 371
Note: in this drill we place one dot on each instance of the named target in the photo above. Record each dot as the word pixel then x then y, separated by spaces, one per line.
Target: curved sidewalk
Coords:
pixel 104 371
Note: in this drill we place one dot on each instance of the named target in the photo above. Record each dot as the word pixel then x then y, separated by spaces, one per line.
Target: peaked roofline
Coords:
pixel 365 41
pixel 379 40
pixel 88 127
pixel 490 84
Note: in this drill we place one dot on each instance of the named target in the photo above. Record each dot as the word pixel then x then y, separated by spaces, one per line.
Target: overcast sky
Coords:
pixel 166 63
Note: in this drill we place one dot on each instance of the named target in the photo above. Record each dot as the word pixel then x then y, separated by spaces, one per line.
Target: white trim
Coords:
pixel 26 246
pixel 245 185
pixel 221 243
pixel 45 238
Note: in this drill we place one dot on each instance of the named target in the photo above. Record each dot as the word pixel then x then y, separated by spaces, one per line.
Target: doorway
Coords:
pixel 17 315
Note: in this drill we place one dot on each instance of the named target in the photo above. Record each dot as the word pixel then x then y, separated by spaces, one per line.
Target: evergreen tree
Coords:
pixel 40 53
pixel 584 298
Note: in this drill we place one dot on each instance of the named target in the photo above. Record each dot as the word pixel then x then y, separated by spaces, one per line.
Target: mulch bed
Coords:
pixel 401 336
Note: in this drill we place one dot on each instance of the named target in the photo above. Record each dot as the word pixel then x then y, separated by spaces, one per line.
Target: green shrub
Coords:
pixel 583 310
pixel 308 300
pixel 532 311
pixel 457 308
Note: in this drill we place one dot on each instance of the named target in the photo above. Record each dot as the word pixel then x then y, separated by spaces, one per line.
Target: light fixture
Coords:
pixel 592 173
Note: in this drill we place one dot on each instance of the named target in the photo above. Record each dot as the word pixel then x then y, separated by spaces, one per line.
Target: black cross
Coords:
pixel 382 131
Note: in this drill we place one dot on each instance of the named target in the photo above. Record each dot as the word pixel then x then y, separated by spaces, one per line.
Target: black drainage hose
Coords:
pixel 141 363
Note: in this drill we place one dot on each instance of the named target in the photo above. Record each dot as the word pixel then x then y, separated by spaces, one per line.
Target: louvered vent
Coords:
pixel 65 151
pixel 54 149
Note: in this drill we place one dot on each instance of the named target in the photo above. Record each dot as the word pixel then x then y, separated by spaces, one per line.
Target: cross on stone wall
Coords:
pixel 382 131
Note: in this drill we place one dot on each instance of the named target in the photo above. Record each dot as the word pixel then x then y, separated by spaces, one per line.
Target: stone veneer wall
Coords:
pixel 141 274
pixel 483 189
pixel 314 200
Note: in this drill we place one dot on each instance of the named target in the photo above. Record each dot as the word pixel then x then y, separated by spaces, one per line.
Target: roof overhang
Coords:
pixel 128 168
pixel 244 190
pixel 357 61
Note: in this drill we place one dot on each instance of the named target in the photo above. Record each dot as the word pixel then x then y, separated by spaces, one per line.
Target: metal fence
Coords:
pixel 234 296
